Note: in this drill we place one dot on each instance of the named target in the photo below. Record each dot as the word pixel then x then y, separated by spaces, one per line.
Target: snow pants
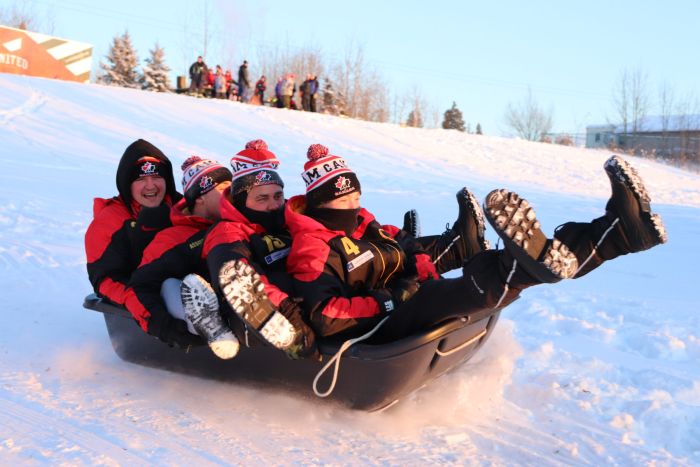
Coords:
pixel 482 288
pixel 170 292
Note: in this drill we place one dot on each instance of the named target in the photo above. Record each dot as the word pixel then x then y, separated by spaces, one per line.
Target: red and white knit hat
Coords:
pixel 200 176
pixel 254 166
pixel 327 176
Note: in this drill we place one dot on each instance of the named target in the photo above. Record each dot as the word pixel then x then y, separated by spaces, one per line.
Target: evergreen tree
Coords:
pixel 155 73
pixel 453 119
pixel 478 129
pixel 122 62
pixel 414 119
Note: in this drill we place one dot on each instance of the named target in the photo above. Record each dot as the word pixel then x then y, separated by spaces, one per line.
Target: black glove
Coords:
pixel 385 300
pixel 305 344
pixel 149 222
pixel 174 333
pixel 156 218
pixel 403 289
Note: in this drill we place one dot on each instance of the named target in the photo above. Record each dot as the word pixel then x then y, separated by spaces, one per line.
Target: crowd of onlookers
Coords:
pixel 216 83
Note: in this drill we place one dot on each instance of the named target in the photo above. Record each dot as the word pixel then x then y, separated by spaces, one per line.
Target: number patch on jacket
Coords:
pixel 350 247
pixel 273 243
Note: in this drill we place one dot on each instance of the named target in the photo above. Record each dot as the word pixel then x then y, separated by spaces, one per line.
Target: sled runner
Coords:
pixel 369 377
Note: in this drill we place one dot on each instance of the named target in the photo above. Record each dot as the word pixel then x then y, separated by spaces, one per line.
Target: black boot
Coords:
pixel 464 239
pixel 629 209
pixel 411 223
pixel 544 260
pixel 244 291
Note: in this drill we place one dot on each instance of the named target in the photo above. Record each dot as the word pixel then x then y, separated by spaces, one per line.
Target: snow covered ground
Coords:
pixel 601 370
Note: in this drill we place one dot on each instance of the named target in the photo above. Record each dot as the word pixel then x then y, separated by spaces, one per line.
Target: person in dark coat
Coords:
pixel 123 225
pixel 249 247
pixel 356 275
pixel 198 76
pixel 243 82
pixel 260 88
pixel 312 90
pixel 170 288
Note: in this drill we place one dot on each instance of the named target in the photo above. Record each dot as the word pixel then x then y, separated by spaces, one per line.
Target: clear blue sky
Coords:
pixel 482 55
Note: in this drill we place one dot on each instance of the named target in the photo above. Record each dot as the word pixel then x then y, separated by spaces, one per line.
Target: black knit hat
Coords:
pixel 141 158
pixel 327 177
pixel 200 176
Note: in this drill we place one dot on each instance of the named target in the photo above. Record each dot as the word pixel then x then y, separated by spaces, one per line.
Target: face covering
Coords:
pixel 272 221
pixel 345 220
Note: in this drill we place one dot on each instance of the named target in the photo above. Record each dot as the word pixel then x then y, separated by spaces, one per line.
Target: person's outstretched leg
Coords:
pixel 201 308
pixel 628 226
pixel 459 243
pixel 491 279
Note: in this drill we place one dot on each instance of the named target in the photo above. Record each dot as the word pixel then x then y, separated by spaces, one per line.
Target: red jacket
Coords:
pixel 113 246
pixel 174 252
pixel 235 237
pixel 343 279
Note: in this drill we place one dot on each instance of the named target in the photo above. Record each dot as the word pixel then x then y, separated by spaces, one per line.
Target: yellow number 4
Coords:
pixel 350 247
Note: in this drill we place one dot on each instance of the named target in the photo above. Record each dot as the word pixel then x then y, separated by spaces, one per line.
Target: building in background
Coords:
pixel 33 54
pixel 671 137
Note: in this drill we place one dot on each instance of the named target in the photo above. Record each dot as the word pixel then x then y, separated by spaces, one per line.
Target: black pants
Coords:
pixel 482 286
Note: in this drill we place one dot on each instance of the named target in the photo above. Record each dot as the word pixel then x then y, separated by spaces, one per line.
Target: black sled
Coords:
pixel 370 377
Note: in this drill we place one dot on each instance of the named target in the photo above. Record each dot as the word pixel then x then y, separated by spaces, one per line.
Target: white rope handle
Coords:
pixel 336 359
pixel 463 345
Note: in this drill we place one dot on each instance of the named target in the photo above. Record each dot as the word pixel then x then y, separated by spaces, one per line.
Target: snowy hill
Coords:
pixel 601 370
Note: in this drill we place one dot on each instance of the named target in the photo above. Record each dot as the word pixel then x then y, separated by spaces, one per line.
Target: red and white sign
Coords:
pixel 33 54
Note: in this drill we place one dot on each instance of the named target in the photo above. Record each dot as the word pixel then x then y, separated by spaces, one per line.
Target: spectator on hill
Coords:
pixel 305 96
pixel 278 92
pixel 198 71
pixel 243 82
pixel 260 88
pixel 230 83
pixel 312 90
pixel 287 91
pixel 211 79
pixel 220 83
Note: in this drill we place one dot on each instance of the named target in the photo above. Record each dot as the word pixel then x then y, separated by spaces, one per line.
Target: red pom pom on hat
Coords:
pixel 189 161
pixel 316 151
pixel 257 145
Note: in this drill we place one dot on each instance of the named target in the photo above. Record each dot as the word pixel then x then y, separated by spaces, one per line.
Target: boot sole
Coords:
pixel 202 310
pixel 245 292
pixel 619 170
pixel 516 223
pixel 477 216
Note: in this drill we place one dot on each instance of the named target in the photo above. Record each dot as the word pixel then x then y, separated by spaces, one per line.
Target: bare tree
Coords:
pixel 621 99
pixel 666 104
pixel 687 122
pixel 528 119
pixel 366 92
pixel 639 99
pixel 631 99
pixel 22 15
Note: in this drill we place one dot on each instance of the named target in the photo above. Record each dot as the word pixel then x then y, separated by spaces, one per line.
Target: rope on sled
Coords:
pixel 336 359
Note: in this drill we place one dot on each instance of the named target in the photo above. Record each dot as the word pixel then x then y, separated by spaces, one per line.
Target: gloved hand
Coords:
pixel 149 222
pixel 403 289
pixel 156 218
pixel 174 333
pixel 305 344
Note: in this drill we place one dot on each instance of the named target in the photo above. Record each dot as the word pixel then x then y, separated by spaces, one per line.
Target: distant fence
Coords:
pixel 679 149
